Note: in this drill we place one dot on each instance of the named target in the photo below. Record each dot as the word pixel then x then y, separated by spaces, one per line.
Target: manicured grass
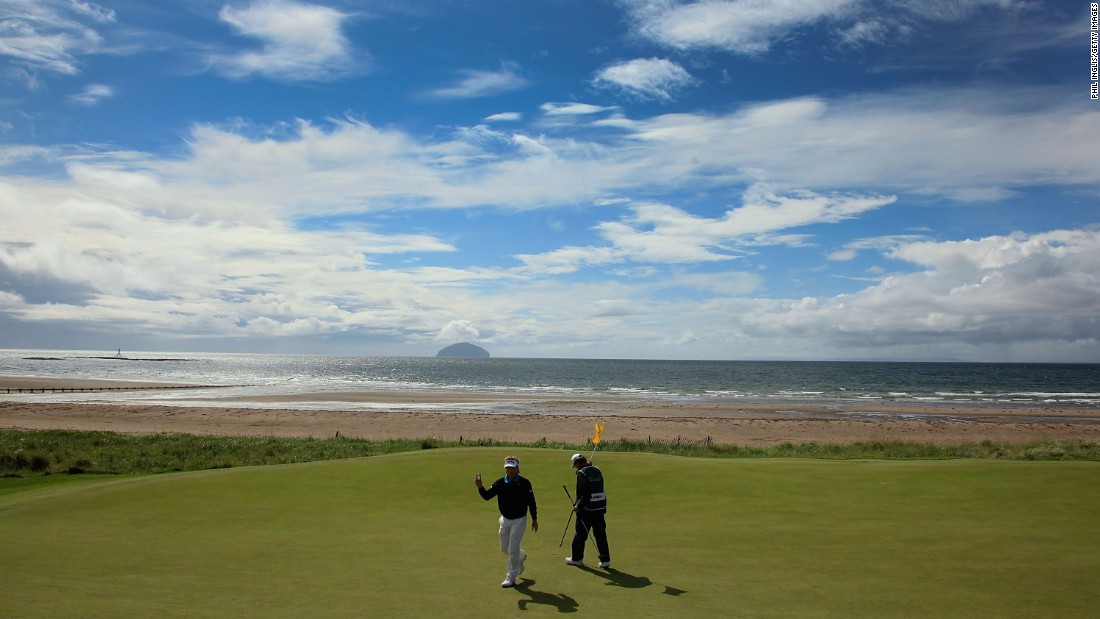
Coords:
pixel 407 535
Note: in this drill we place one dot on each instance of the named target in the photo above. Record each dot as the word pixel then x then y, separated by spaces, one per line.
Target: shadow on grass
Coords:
pixel 562 602
pixel 617 578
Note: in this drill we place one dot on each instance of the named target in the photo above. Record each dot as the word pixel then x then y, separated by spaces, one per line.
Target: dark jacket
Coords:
pixel 590 493
pixel 513 497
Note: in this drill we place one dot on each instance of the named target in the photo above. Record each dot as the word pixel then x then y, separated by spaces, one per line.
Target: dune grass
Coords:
pixel 407 535
pixel 33 453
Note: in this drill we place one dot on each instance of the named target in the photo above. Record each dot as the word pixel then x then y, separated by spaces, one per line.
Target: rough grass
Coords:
pixel 31 453
pixel 406 535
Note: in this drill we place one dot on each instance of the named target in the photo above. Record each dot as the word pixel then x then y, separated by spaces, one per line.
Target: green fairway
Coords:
pixel 408 535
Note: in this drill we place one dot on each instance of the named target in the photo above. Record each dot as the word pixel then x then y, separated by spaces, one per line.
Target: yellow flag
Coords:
pixel 599 429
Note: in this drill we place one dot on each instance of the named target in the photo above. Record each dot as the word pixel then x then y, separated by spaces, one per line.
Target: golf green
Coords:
pixel 408 535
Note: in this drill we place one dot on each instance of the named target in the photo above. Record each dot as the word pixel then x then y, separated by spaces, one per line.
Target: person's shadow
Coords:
pixel 615 578
pixel 562 602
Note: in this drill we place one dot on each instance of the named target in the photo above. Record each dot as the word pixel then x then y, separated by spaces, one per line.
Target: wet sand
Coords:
pixel 474 416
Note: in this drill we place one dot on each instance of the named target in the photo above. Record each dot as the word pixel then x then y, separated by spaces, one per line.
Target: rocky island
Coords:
pixel 464 350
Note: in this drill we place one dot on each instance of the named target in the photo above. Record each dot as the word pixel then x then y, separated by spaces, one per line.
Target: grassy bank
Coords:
pixel 34 453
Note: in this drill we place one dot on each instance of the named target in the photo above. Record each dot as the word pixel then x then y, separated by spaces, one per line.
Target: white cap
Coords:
pixel 576 457
pixel 511 462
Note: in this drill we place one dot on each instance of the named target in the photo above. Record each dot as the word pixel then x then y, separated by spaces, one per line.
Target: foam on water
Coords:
pixel 241 375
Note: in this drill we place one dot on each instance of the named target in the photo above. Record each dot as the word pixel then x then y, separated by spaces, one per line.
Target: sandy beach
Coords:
pixel 549 417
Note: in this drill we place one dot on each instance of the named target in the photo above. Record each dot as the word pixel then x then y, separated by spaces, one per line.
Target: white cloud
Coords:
pixel 745 26
pixel 1001 298
pixel 300 42
pixel 47 35
pixel 187 278
pixel 963 143
pixel 954 143
pixel 865 32
pixel 879 243
pixel 476 83
pixel 574 109
pixel 93 94
pixel 204 244
pixel 647 78
pixel 1014 289
pixel 16 153
pixel 204 276
pixel 504 117
pixel 687 337
pixel 755 26
pixel 95 11
pixel 660 233
pixel 458 331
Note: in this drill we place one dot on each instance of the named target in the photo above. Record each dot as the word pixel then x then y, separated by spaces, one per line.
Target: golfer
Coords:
pixel 590 507
pixel 514 495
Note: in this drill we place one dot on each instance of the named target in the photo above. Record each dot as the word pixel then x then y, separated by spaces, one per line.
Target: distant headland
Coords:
pixel 464 350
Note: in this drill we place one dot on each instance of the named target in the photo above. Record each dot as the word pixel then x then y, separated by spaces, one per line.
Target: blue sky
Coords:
pixel 743 179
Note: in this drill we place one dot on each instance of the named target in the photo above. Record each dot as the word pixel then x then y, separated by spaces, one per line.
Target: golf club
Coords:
pixel 579 519
pixel 566 529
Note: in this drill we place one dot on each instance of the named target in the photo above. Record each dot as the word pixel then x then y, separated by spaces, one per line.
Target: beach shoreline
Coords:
pixel 473 416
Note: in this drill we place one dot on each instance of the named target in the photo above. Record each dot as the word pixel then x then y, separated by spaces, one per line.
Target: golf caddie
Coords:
pixel 515 496
pixel 590 507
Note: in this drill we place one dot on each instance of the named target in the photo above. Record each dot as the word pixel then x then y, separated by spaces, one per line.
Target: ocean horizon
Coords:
pixel 1025 385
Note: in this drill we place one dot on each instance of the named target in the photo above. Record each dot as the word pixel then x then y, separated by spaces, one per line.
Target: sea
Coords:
pixel 231 375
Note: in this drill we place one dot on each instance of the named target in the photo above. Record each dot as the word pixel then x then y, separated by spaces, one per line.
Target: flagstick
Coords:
pixel 596 440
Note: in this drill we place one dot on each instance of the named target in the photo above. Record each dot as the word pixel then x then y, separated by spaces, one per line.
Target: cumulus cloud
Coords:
pixel 646 78
pixel 458 331
pixel 957 143
pixel 185 278
pixel 299 42
pixel 275 231
pixel 1001 289
pixel 123 261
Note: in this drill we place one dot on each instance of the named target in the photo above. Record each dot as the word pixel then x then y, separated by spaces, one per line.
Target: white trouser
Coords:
pixel 511 534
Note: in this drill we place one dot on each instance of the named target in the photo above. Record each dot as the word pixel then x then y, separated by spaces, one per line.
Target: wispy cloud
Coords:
pixel 504 117
pixel 49 35
pixel 755 26
pixel 573 109
pixel 298 42
pixel 646 78
pixel 94 11
pixel 475 83
pixel 742 26
pixel 92 94
pixel 665 234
